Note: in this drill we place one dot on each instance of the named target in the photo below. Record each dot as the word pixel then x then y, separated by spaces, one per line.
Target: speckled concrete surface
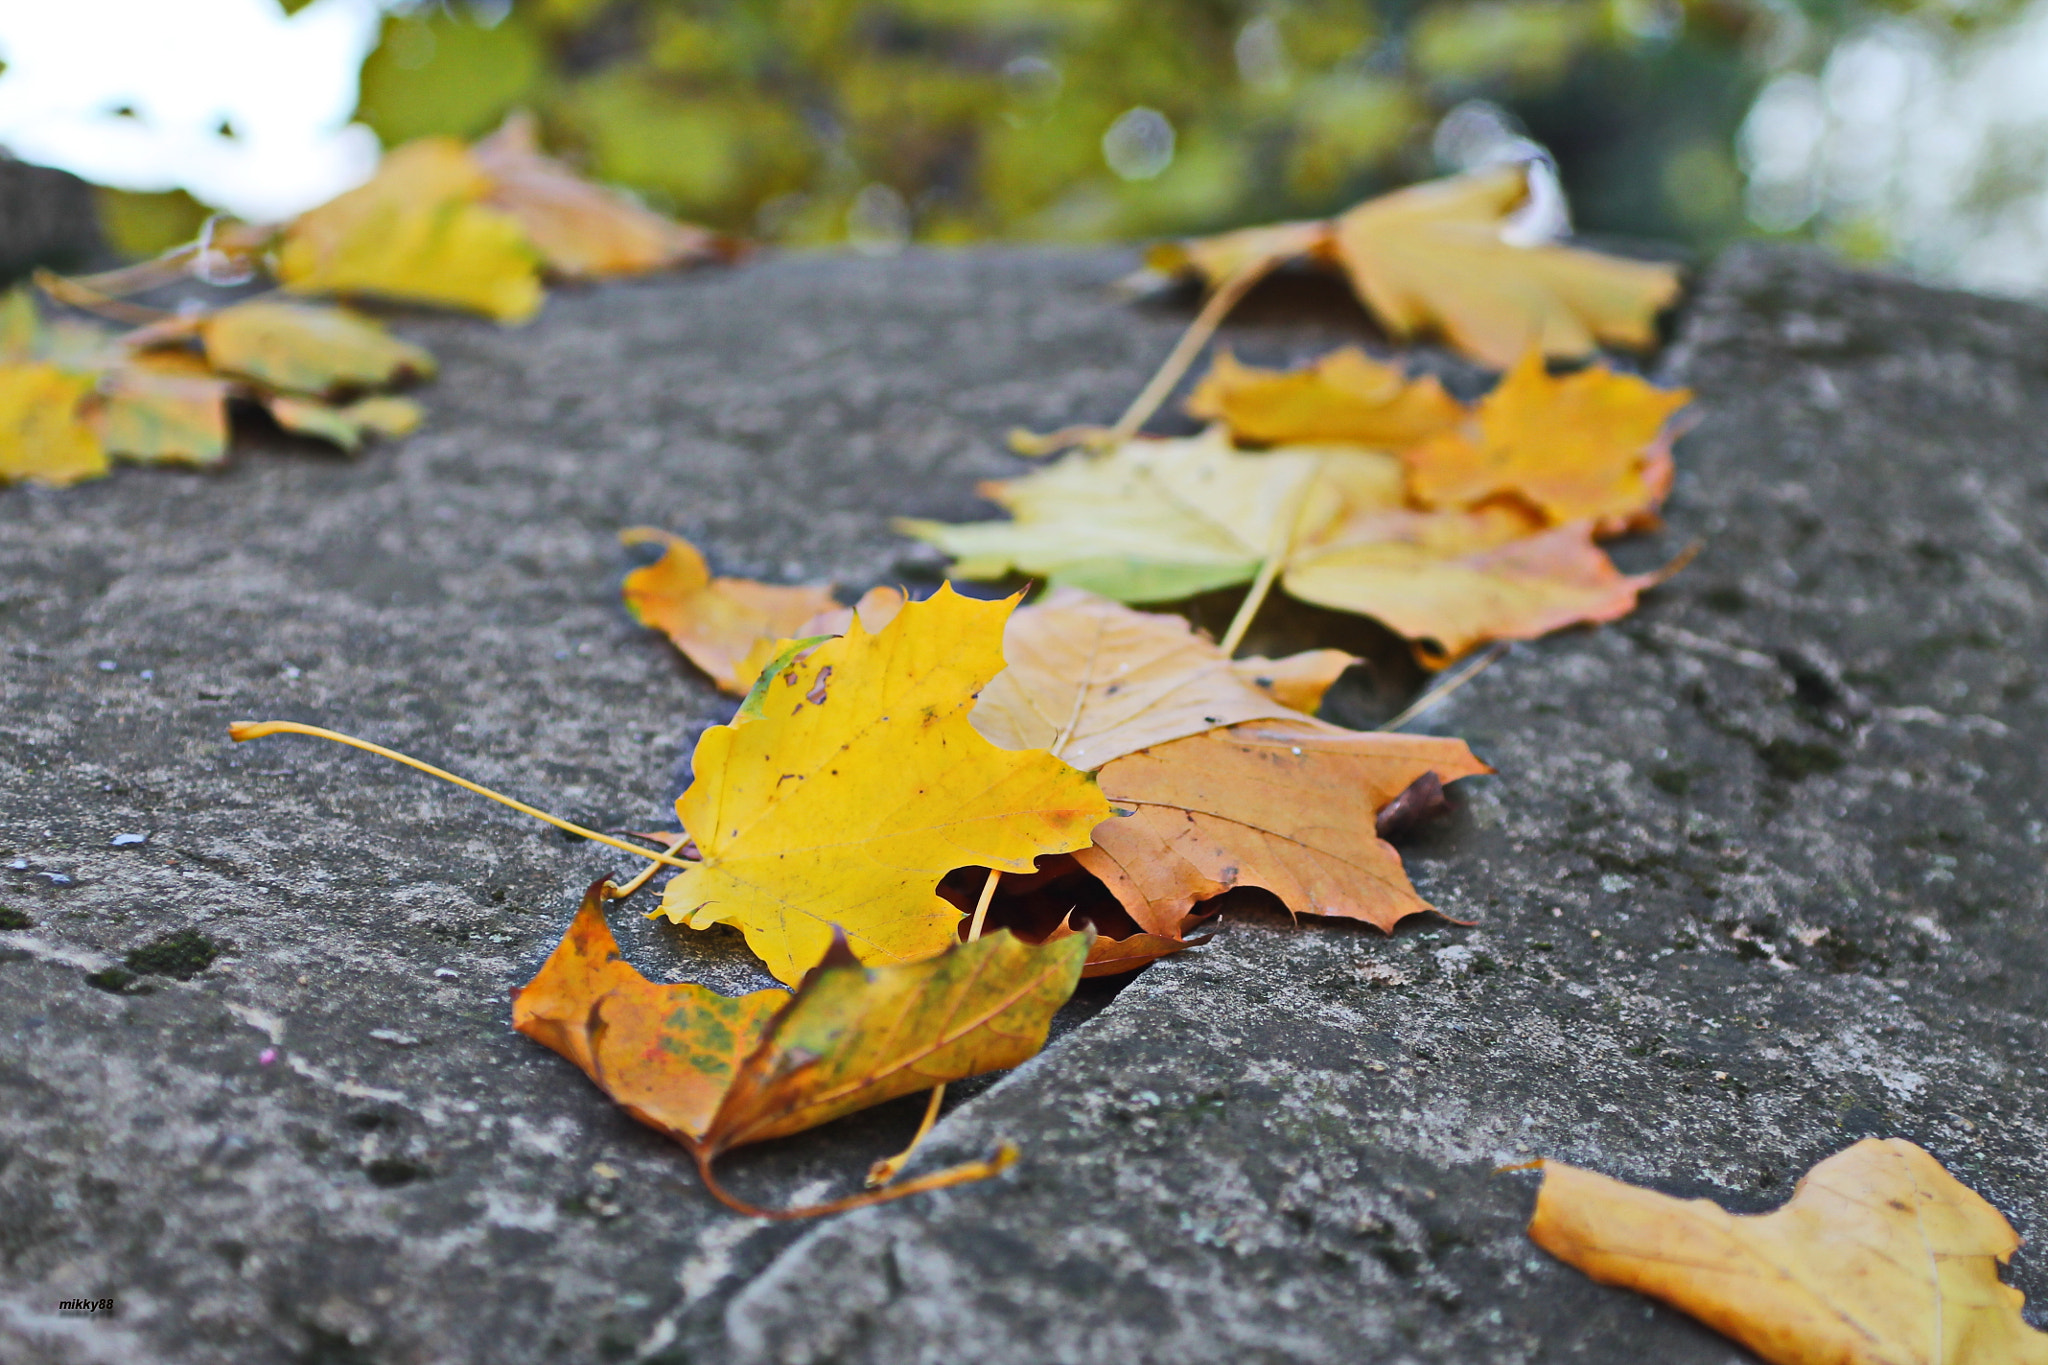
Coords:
pixel 1761 873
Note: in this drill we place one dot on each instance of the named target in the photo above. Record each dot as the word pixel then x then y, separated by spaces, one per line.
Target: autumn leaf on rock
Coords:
pixel 1090 680
pixel 1434 257
pixel 346 425
pixel 716 1072
pixel 300 348
pixel 583 231
pixel 163 409
pixel 715 621
pixel 1881 1257
pixel 852 781
pixel 1584 446
pixel 418 230
pixel 1450 581
pixel 1151 521
pixel 1290 806
pixel 44 436
pixel 1296 681
pixel 1344 396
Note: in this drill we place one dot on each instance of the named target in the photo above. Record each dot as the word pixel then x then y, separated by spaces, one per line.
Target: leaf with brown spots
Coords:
pixel 816 817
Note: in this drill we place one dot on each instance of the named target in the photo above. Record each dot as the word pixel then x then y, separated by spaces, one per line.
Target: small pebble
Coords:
pixel 266 1057
pixel 56 878
pixel 125 840
pixel 446 973
pixel 147 675
pixel 19 864
pixel 393 1037
pixel 107 665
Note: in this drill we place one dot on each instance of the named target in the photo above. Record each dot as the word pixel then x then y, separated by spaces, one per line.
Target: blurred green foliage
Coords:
pixel 946 120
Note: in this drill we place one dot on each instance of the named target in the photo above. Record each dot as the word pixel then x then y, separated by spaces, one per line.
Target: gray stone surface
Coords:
pixel 1797 798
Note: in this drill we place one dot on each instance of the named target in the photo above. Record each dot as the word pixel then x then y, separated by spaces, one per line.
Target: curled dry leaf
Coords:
pixel 1290 806
pixel 715 621
pixel 716 1072
pixel 1435 257
pixel 1575 447
pixel 1881 1257
pixel 1344 396
pixel 302 349
pixel 583 231
pixel 1090 680
pixel 852 781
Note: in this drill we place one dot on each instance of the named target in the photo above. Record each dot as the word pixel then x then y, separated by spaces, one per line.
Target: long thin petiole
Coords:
pixel 619 893
pixel 256 729
pixel 1285 529
pixel 1005 1156
pixel 1436 694
pixel 1183 354
pixel 884 1171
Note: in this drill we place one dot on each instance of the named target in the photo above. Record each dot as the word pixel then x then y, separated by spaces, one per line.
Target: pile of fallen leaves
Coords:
pixel 472 228
pixel 932 818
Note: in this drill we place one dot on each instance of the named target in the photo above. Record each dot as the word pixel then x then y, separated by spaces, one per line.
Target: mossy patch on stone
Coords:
pixel 184 955
pixel 11 918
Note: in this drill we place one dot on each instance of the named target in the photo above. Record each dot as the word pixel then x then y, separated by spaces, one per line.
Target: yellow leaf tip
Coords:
pixel 251 729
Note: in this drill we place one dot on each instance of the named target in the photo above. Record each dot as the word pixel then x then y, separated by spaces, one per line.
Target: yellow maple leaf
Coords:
pixel 417 231
pixel 1575 446
pixel 853 780
pixel 1344 396
pixel 1434 258
pixel 1881 1257
pixel 44 434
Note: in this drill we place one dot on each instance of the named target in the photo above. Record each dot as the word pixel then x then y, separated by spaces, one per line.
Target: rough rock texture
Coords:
pixel 1761 873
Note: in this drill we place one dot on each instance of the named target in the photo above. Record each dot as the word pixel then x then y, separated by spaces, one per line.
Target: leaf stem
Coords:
pixel 884 1171
pixel 1214 309
pixel 253 729
pixel 1492 656
pixel 1003 1158
pixel 1285 529
pixel 619 893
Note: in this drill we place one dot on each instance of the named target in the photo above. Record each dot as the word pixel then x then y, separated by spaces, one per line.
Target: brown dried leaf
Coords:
pixel 1286 805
